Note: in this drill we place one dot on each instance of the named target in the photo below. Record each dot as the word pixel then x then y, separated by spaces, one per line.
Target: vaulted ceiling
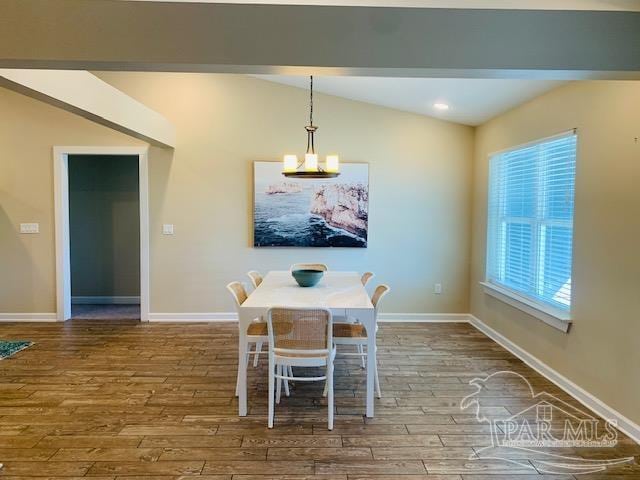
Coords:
pixel 470 101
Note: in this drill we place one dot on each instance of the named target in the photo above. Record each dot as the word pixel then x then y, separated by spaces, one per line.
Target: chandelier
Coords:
pixel 309 168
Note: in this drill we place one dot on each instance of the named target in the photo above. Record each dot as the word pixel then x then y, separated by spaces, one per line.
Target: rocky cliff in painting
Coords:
pixel 343 206
pixel 283 187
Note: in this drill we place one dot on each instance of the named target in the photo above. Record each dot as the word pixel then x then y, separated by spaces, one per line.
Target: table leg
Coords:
pixel 242 367
pixel 371 364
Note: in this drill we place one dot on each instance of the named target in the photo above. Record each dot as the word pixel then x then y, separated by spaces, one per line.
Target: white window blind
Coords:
pixel 530 220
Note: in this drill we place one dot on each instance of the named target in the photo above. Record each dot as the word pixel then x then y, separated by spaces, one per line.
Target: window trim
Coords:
pixel 554 317
pixel 555 136
pixel 547 313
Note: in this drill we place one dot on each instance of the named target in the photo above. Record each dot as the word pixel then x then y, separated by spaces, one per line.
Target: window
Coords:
pixel 530 224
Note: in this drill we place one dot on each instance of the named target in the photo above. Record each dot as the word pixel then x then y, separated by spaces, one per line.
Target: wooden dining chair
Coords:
pixel 355 333
pixel 299 337
pixel 309 266
pixel 255 277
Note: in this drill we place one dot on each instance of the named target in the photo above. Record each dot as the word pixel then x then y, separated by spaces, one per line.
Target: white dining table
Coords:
pixel 340 292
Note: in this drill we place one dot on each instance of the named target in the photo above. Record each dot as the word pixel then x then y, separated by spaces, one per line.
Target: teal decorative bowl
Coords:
pixel 307 278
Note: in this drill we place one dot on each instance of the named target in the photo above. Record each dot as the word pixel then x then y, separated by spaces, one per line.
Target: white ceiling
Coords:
pixel 471 101
pixel 607 5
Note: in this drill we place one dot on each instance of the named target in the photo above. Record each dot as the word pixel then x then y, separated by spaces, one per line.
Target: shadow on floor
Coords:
pixel 105 312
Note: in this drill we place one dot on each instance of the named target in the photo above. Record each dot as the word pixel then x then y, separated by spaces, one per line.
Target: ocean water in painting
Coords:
pixel 308 213
pixel 283 220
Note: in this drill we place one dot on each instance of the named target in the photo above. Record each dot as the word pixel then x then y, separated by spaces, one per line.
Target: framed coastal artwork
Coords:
pixel 311 212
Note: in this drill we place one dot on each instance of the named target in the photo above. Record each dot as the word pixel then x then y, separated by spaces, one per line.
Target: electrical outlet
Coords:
pixel 167 229
pixel 437 288
pixel 29 228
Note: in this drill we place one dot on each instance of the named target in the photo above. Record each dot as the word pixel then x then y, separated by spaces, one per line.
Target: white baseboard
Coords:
pixel 424 317
pixel 106 300
pixel 193 317
pixel 28 317
pixel 626 425
pixel 383 317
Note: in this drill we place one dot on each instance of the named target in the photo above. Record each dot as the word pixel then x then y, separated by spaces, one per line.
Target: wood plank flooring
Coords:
pixel 123 400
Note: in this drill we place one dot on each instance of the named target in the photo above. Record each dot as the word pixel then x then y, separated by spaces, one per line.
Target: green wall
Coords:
pixel 104 225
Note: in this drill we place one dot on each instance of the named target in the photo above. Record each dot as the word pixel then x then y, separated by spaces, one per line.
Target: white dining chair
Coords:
pixel 256 280
pixel 355 334
pixel 299 337
pixel 309 266
pixel 366 276
pixel 256 333
pixel 255 277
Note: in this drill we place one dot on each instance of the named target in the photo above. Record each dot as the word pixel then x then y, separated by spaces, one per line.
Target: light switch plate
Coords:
pixel 167 229
pixel 29 228
pixel 437 288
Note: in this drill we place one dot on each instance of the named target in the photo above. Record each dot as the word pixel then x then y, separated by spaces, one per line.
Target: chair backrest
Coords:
pixel 256 278
pixel 378 293
pixel 238 292
pixel 309 266
pixel 304 332
pixel 366 276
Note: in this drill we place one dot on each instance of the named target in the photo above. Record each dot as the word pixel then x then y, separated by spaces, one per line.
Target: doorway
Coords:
pixel 102 238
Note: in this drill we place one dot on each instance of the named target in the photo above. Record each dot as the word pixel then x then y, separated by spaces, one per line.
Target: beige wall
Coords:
pixel 104 225
pixel 420 177
pixel 601 353
pixel 28 131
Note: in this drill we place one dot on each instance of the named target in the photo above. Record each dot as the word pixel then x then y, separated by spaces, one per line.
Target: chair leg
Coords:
pixel 255 357
pixel 271 392
pixel 279 384
pixel 377 383
pixel 362 359
pixel 330 395
pixel 291 373
pixel 286 371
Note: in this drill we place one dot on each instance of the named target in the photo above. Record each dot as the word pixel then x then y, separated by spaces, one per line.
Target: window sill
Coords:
pixel 549 315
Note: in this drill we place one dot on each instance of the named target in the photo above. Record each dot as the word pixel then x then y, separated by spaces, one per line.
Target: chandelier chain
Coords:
pixel 311 101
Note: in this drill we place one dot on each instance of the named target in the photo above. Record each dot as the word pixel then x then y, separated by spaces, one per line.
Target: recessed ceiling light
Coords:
pixel 441 106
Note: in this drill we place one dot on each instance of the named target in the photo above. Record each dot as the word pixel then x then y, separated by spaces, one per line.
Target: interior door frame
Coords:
pixel 61 206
